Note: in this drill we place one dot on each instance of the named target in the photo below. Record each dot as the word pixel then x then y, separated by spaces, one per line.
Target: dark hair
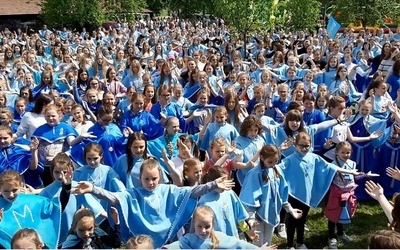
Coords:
pixel 92 146
pixel 30 98
pixel 79 81
pixel 293 115
pixel 60 159
pixel 195 149
pixel 154 99
pixel 42 100
pixel 266 152
pixel 395 224
pixel 294 105
pixel 51 83
pixel 131 139
pixel 214 173
pixel 396 68
pixel 384 239
pixel 249 121
pixel 373 85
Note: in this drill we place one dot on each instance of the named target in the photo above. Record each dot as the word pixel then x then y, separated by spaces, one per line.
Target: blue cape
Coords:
pixel 308 176
pixel 192 241
pixel 266 197
pixel 228 211
pixel 159 214
pixel 74 203
pixel 31 211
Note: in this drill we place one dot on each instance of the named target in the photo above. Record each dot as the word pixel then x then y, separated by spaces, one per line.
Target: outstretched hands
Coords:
pixel 393 172
pixel 373 189
pixel 224 183
pixel 83 187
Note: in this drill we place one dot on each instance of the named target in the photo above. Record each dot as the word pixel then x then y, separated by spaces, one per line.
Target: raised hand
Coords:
pixel 393 173
pixel 373 189
pixel 88 135
pixel 370 174
pixel 286 144
pixel 83 187
pixel 67 176
pixel 375 135
pixel 253 235
pixel 224 183
pixel 114 215
pixel 34 144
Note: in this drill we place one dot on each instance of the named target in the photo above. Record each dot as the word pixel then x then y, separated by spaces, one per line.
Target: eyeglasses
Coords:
pixel 166 95
pixel 301 146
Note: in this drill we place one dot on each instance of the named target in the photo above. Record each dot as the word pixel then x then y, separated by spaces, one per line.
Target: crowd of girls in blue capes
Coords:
pixel 167 133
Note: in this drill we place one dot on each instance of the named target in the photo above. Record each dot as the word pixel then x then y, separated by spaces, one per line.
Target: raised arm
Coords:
pixel 85 187
pixel 376 191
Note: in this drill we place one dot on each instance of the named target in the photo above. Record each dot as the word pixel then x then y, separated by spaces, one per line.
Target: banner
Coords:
pixel 333 27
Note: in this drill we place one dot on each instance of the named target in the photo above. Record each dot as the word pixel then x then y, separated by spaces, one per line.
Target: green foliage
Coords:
pixel 299 14
pixel 369 12
pixel 369 218
pixel 89 13
pixel 245 15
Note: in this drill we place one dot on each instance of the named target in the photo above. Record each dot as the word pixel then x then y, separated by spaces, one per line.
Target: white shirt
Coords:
pixel 29 123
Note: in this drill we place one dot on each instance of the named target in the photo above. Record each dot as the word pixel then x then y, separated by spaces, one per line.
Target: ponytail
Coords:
pixel 214 240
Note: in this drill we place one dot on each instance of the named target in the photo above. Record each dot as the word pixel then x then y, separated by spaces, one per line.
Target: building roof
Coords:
pixel 20 7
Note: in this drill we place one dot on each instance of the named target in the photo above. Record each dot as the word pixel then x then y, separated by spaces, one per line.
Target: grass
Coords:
pixel 369 218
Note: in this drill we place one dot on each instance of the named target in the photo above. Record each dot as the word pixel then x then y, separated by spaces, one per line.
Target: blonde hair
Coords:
pixel 140 240
pixel 203 211
pixel 30 234
pixel 11 176
pixel 151 163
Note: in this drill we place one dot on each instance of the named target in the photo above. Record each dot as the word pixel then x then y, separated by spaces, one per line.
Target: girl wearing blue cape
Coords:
pixel 140 120
pixel 128 165
pixel 218 128
pixel 230 213
pixel 192 92
pixel 154 209
pixel 376 93
pixel 277 134
pixel 330 71
pixel 46 84
pixel 389 153
pixel 168 141
pixel 100 175
pixel 250 141
pixel 265 193
pixel 198 112
pixel 364 124
pixel 342 201
pixel 85 234
pixel 21 158
pixel 59 165
pixel 327 139
pixel 55 137
pixel 343 87
pixel 165 108
pixel 308 177
pixel 203 236
pixel 30 211
pixel 108 135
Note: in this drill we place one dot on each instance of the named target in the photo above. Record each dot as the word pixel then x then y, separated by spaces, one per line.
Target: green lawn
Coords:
pixel 369 217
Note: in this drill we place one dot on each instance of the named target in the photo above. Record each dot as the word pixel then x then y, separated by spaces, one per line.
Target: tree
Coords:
pixel 299 14
pixel 245 16
pixel 87 13
pixel 368 12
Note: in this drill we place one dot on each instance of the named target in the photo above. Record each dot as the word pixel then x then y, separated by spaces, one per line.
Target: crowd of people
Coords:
pixel 171 133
